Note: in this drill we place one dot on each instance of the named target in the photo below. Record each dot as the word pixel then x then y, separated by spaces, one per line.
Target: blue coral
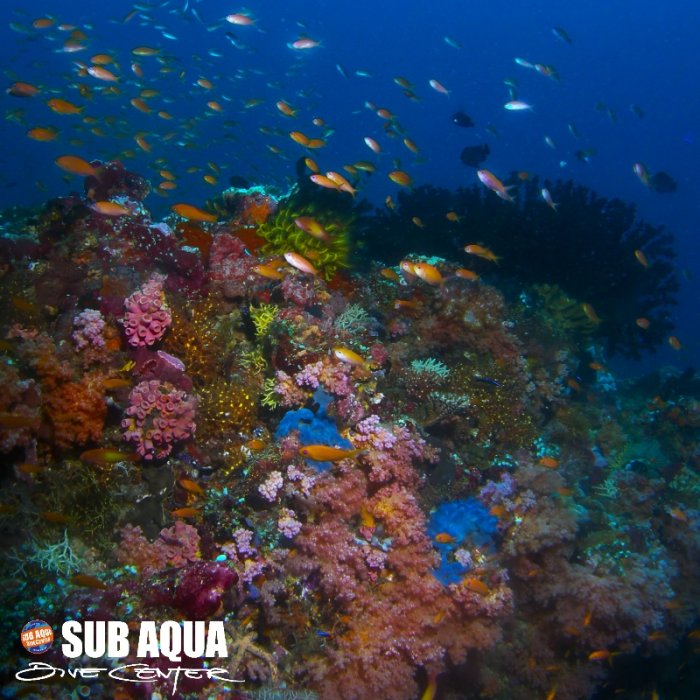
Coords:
pixel 468 523
pixel 314 429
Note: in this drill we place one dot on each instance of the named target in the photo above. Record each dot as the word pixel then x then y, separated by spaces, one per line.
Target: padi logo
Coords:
pixel 110 639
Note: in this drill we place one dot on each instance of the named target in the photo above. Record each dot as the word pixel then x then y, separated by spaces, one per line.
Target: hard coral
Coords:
pixel 147 315
pixel 158 417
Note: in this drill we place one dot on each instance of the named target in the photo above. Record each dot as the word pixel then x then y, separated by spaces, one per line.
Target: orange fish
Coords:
pixel 444 538
pixel 75 165
pixel 389 274
pixel 298 137
pixel 643 323
pixel 315 143
pixel 452 216
pixel 145 51
pixel 674 342
pixel 418 221
pixel 324 453
pixel 428 273
pixel 465 274
pixel 475 585
pixel 191 486
pixel 285 108
pixel 240 19
pixel 268 271
pixel 602 655
pixel 410 145
pixel 480 252
pixel 401 178
pixel 104 455
pixel 60 106
pixel 87 581
pixel 311 165
pixel 138 103
pixel 30 469
pixel 186 512
pixel 548 462
pixel 110 209
pixel 192 213
pixel 21 89
pixel 341 183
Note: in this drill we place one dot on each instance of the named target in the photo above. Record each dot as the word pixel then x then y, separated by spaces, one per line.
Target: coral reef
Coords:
pixel 403 481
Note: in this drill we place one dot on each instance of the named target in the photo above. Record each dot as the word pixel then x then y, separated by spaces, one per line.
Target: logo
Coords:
pixel 37 636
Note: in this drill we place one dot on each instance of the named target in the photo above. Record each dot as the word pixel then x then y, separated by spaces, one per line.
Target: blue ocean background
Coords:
pixel 621 53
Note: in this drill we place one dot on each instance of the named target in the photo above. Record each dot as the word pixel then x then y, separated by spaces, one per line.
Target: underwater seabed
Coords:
pixel 416 479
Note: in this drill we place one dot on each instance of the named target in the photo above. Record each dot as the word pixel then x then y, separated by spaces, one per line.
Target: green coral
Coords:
pixel 282 235
pixel 262 317
pixel 564 314
pixel 269 396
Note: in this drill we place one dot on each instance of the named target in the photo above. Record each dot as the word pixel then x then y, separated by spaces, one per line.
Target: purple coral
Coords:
pixel 147 316
pixel 201 587
pixel 89 326
pixel 158 416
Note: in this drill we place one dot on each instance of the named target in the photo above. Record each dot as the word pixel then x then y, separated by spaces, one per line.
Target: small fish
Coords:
pixel 41 133
pixel 60 106
pixel 186 512
pixel 192 213
pixel 372 144
pixel 450 41
pixel 444 538
pixel 341 182
pixel 489 180
pixel 304 43
pixel 389 274
pixel 268 272
pixel 191 486
pixel 348 356
pixel 240 19
pixel 75 165
pixel 401 178
pixel 115 383
pixel 476 585
pixel 323 181
pixel 641 258
pixel 300 263
pixel 481 252
pixel 101 73
pixel 438 87
pixel 517 106
pixel 325 453
pixel 591 314
pixel 462 119
pixel 22 89
pixel 643 323
pixel 602 655
pixel 562 35
pixel 87 581
pixel 524 63
pixel 110 209
pixel 428 273
pixel 104 455
pixel 285 108
pixel 546 195
pixel 642 173
pixel 465 274
pixel 548 462
pixel 674 342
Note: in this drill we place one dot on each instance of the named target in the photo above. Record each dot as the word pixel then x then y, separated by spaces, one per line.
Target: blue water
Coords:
pixel 621 53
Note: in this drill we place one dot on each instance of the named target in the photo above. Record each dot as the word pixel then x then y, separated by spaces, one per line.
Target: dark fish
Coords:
pixel 486 380
pixel 474 156
pixel 462 119
pixel 662 183
pixel 637 111
pixel 562 34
